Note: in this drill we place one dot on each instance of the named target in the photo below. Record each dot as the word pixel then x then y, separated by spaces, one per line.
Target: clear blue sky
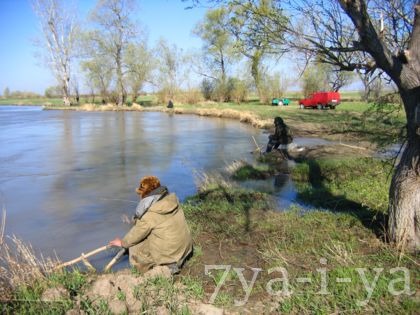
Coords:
pixel 19 67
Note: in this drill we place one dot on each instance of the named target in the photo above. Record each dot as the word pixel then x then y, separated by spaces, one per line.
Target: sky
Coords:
pixel 21 69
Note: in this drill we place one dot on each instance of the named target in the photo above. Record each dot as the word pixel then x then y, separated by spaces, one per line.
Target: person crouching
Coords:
pixel 160 235
pixel 282 137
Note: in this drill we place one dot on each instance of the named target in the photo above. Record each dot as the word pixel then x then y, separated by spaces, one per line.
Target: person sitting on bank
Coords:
pixel 281 138
pixel 160 235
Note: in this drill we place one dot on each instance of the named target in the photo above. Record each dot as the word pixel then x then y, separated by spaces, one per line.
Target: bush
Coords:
pixel 237 90
pixel 53 92
pixel 190 96
pixel 272 86
pixel 207 89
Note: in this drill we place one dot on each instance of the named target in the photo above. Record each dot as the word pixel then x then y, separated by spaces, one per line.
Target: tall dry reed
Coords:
pixel 208 181
pixel 19 264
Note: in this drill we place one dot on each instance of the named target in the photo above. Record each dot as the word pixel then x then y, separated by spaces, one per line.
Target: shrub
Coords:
pixel 207 89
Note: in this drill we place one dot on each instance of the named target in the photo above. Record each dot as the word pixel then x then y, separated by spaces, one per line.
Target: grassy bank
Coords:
pixel 236 228
pixel 351 121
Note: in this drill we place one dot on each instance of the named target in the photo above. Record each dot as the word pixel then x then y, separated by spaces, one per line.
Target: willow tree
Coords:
pixel 247 22
pixel 140 63
pixel 59 29
pixel 217 45
pixel 388 32
pixel 115 30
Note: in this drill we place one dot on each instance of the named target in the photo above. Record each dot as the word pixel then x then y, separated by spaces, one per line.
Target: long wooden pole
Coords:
pixel 83 256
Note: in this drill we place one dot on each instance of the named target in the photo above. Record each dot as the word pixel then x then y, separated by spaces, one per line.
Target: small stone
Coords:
pixel 55 294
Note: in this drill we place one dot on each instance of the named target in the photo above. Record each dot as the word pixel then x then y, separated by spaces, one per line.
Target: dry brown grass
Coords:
pixel 243 116
pixel 19 265
pixel 206 181
pixel 233 167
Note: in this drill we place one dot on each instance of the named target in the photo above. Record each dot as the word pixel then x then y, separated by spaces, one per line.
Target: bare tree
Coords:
pixel 59 28
pixel 115 32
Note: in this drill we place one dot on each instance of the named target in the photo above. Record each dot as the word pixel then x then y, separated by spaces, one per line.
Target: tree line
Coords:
pixel 111 58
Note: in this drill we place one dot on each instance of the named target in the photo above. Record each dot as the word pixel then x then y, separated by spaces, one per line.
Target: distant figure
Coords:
pixel 160 235
pixel 170 104
pixel 281 138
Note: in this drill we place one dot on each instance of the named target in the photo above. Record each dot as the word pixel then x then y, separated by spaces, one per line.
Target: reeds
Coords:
pixel 233 167
pixel 19 265
pixel 206 181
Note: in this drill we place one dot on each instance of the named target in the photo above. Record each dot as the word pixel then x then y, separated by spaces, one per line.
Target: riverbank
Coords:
pixel 324 257
pixel 351 121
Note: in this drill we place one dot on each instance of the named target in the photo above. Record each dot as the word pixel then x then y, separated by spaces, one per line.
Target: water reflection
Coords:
pixel 67 177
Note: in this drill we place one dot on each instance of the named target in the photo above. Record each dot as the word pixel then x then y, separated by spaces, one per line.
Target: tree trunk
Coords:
pixel 120 86
pixel 404 193
pixel 255 72
pixel 66 94
pixel 135 95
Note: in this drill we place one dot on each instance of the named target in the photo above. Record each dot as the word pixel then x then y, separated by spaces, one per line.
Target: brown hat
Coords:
pixel 147 184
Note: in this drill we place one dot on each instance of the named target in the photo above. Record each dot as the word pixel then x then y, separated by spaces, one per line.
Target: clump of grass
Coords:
pixel 208 181
pixel 241 170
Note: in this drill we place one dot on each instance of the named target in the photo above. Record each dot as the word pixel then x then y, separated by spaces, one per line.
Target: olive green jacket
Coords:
pixel 165 230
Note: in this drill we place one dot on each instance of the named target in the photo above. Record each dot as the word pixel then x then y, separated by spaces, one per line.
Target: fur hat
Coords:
pixel 147 184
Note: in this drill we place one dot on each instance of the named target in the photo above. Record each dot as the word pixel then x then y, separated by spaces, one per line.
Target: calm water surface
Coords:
pixel 61 172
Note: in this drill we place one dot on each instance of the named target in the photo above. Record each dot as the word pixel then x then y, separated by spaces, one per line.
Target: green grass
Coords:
pixel 31 101
pixel 145 100
pixel 296 240
pixel 351 120
pixel 248 171
pixel 236 227
pixel 341 183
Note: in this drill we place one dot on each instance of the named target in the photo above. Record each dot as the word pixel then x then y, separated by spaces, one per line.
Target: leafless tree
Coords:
pixel 59 29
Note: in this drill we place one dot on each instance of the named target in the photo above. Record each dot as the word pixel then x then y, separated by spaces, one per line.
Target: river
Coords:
pixel 67 177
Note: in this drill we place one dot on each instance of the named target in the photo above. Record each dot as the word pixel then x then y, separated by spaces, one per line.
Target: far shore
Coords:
pixel 346 123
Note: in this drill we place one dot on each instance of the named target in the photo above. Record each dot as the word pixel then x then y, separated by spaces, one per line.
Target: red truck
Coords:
pixel 321 100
